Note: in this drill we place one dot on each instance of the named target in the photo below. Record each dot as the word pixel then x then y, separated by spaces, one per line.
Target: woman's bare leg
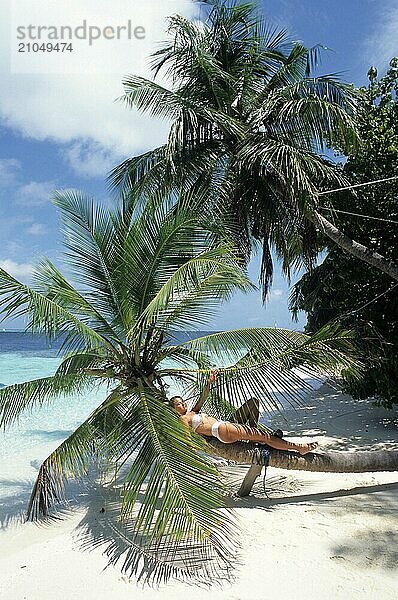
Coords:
pixel 233 433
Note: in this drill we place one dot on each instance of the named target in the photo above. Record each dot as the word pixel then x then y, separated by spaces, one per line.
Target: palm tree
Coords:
pixel 138 285
pixel 249 130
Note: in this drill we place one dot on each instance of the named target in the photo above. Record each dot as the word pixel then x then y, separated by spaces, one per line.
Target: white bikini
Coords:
pixel 197 420
pixel 214 430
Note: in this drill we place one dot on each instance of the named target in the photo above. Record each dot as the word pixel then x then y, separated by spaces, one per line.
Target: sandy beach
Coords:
pixel 311 535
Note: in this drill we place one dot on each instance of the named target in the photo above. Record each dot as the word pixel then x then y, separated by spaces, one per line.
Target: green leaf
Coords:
pixel 16 398
pixel 44 314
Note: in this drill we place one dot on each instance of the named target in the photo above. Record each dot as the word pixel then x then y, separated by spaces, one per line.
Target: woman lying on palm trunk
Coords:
pixel 228 432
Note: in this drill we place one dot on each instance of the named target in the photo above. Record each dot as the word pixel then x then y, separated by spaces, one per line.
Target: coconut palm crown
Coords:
pixel 138 285
pixel 250 129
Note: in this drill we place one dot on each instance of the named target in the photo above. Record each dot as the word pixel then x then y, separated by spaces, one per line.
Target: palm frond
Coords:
pixel 173 497
pixel 194 289
pixel 86 446
pixel 52 284
pixel 44 314
pixel 139 174
pixel 79 362
pixel 148 96
pixel 91 240
pixel 272 364
pixel 16 398
pixel 296 172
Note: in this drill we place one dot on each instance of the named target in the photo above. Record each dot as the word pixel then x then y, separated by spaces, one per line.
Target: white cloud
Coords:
pixel 90 158
pixel 34 193
pixel 382 44
pixel 37 229
pixel 276 295
pixel 9 170
pixel 69 108
pixel 17 270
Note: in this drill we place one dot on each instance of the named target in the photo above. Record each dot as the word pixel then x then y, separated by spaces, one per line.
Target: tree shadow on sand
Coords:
pixel 101 527
pixel 374 544
pixel 360 425
pixel 371 548
pixel 14 497
pixel 14 504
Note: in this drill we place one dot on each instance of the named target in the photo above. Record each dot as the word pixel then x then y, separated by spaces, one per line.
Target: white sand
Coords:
pixel 317 536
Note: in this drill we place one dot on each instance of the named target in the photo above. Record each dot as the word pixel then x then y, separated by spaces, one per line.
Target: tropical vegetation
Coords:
pixel 369 304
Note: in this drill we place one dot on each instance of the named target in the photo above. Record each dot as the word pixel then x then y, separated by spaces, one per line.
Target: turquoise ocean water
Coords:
pixel 27 443
pixel 39 431
pixel 24 357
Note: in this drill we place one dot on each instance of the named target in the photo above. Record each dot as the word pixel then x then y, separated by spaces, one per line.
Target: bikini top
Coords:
pixel 197 420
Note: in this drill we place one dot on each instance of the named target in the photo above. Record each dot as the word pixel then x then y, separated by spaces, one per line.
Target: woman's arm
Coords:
pixel 205 392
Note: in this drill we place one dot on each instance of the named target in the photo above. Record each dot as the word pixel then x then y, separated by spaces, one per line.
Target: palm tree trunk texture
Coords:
pixel 324 462
pixel 355 248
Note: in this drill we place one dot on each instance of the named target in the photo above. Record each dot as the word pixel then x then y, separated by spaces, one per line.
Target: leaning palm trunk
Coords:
pixel 323 462
pixel 355 248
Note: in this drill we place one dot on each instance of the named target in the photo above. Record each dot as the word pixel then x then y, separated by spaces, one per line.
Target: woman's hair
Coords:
pixel 172 400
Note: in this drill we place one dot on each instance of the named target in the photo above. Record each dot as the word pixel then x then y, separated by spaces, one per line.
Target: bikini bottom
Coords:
pixel 214 430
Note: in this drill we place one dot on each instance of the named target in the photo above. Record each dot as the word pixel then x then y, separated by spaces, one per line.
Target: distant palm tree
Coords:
pixel 249 131
pixel 139 284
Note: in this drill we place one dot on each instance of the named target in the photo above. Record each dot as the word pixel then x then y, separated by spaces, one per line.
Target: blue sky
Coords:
pixel 64 130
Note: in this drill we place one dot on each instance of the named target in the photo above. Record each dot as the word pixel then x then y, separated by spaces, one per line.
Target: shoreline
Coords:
pixel 313 535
